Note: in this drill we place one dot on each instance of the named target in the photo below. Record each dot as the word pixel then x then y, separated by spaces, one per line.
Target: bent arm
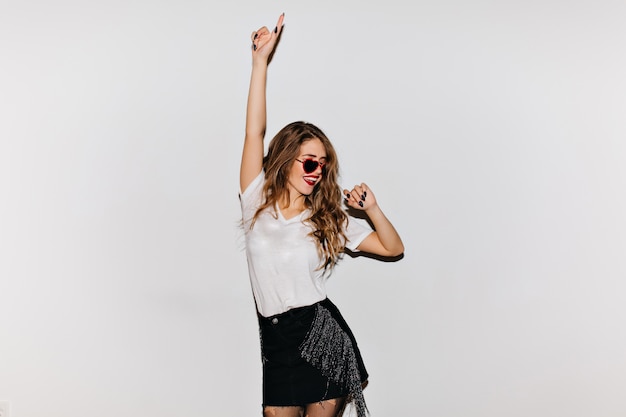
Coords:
pixel 385 240
pixel 263 43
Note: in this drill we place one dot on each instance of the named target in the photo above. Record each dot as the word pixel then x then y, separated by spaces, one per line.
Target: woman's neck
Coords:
pixel 293 202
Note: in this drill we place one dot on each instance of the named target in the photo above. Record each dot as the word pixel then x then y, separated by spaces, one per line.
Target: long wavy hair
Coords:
pixel 328 217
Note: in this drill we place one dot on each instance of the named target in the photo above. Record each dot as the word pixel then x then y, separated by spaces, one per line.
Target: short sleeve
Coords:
pixel 250 198
pixel 356 231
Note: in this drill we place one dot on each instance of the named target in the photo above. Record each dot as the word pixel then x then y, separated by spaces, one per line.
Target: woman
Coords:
pixel 296 230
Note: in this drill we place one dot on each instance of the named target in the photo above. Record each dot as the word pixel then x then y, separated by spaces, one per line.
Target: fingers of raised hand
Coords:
pixel 279 24
pixel 263 36
pixel 260 37
pixel 259 33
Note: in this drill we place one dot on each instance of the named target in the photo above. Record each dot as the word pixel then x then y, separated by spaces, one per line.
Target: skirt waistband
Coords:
pixel 291 313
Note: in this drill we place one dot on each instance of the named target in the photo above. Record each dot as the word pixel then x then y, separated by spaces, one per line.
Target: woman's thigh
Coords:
pixel 327 408
pixel 282 411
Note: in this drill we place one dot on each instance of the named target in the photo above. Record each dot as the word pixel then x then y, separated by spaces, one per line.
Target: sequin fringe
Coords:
pixel 329 348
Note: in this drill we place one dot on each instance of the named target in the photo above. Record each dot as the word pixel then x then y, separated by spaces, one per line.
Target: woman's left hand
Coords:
pixel 360 197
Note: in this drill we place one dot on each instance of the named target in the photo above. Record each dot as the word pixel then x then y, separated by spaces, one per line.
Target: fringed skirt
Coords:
pixel 309 355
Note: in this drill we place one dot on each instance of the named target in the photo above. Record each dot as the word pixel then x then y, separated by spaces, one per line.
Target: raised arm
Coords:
pixel 263 44
pixel 385 240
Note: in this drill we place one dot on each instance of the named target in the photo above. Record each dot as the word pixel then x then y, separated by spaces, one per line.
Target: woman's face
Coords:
pixel 299 179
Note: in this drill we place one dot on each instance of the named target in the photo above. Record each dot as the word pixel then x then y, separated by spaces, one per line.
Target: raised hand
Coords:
pixel 263 44
pixel 264 40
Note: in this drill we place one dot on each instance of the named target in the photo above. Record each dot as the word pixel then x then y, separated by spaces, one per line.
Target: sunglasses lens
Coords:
pixel 310 165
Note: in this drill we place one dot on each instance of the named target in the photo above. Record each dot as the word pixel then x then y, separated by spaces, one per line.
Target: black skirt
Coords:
pixel 309 355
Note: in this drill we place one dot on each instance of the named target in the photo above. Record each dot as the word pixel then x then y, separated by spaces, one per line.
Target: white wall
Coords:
pixel 492 133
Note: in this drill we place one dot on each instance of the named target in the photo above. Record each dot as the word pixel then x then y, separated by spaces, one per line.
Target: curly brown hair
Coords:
pixel 328 217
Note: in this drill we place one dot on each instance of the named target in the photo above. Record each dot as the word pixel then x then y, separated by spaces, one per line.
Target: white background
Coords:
pixel 492 133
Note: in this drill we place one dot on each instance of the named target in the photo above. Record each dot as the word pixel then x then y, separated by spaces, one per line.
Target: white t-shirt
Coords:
pixel 282 260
